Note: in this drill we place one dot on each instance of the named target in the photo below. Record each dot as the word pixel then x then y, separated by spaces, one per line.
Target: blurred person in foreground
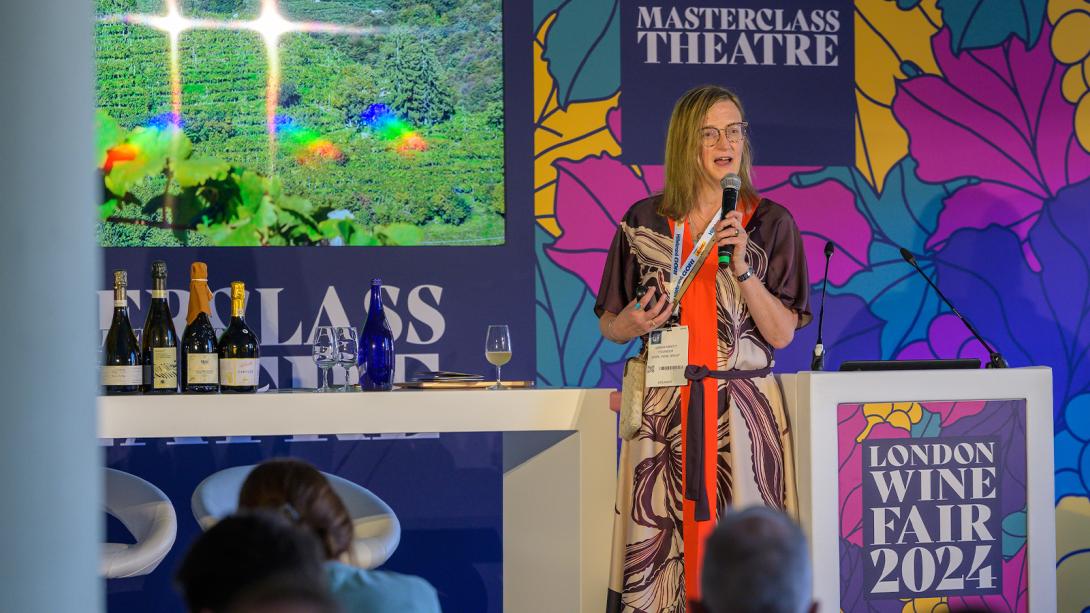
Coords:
pixel 756 561
pixel 302 491
pixel 244 552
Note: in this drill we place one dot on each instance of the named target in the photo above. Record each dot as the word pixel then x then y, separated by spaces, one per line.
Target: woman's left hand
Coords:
pixel 730 234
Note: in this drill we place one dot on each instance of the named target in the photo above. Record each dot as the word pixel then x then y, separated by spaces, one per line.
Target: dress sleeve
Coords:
pixel 787 277
pixel 619 278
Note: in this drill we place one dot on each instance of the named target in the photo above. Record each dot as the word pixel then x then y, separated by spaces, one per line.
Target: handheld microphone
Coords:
pixel 730 184
pixel 818 361
pixel 996 360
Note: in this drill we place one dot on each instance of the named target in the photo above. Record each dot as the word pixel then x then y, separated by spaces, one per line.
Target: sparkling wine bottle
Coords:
pixel 121 370
pixel 239 349
pixel 200 351
pixel 159 345
pixel 376 357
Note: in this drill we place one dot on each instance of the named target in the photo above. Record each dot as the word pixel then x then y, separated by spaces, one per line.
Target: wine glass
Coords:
pixel 497 350
pixel 348 346
pixel 324 352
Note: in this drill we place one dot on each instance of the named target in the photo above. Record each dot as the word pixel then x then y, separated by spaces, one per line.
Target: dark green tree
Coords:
pixel 356 88
pixel 289 95
pixel 417 90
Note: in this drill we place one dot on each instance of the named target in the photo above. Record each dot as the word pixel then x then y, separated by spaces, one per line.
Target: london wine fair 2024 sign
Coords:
pixel 932 502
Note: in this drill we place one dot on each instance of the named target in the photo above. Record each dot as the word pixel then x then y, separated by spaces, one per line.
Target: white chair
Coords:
pixel 376 528
pixel 148 514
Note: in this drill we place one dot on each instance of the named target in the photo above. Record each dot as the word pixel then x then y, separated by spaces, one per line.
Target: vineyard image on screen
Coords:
pixel 299 122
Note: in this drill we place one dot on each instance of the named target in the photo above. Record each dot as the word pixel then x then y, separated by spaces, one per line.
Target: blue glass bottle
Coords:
pixel 376 358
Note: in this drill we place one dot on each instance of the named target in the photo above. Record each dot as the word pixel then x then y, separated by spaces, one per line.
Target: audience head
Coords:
pixel 756 560
pixel 304 494
pixel 242 551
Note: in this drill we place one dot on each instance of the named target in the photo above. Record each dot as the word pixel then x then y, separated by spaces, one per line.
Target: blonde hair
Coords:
pixel 683 171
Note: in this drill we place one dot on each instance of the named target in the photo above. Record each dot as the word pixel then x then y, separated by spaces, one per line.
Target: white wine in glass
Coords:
pixel 497 350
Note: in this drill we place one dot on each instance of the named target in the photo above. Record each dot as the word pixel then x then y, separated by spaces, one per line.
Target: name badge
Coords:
pixel 667 357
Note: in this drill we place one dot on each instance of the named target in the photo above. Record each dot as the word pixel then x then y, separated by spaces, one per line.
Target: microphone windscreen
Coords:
pixel 907 255
pixel 731 181
pixel 829 248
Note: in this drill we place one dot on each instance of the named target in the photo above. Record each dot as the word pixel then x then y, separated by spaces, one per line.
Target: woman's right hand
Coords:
pixel 641 316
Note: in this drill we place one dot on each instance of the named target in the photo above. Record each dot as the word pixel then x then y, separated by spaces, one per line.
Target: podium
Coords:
pixel 927 485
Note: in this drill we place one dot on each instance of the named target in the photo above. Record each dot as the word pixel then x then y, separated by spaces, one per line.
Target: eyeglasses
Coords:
pixel 734 133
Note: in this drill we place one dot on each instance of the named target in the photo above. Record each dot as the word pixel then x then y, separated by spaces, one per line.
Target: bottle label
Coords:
pixel 122 375
pixel 202 368
pixel 164 373
pixel 238 372
pixel 158 293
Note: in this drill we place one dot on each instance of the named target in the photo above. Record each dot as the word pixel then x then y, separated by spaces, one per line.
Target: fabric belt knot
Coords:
pixel 695 487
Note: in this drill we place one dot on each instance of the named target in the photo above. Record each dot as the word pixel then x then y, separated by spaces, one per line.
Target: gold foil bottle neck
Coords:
pixel 121 281
pixel 238 298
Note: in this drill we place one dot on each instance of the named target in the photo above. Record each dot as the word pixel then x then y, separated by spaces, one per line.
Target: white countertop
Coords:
pixel 304 412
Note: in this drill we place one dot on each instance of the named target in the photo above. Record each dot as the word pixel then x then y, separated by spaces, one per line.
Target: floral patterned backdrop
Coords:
pixel 972 150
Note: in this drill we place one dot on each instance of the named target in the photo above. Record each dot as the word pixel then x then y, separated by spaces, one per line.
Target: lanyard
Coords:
pixel 679 271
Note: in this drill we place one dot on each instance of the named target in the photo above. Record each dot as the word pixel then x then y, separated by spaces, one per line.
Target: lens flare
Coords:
pixel 164 121
pixel 121 153
pixel 307 146
pixel 387 126
pixel 270 24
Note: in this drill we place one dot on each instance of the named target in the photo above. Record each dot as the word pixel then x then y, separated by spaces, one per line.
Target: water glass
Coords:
pixel 348 346
pixel 324 352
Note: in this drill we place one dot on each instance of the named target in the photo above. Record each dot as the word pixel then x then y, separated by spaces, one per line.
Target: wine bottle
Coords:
pixel 200 351
pixel 159 345
pixel 238 349
pixel 376 356
pixel 121 371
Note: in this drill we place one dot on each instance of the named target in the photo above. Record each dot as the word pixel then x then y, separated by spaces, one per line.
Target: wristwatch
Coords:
pixel 747 274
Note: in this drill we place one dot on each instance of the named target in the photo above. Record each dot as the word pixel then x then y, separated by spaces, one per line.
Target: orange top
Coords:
pixel 699 313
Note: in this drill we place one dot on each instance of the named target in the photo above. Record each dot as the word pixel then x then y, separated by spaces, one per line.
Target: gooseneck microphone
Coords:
pixel 731 184
pixel 818 361
pixel 995 360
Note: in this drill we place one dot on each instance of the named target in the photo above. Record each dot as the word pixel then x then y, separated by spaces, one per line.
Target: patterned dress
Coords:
pixel 736 443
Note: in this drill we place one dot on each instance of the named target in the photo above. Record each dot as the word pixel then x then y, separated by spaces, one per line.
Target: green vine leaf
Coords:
pixel 108 134
pixel 241 235
pixel 108 208
pixel 194 171
pixel 295 204
pixel 399 234
pixel 362 238
pixel 187 207
pixel 149 149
